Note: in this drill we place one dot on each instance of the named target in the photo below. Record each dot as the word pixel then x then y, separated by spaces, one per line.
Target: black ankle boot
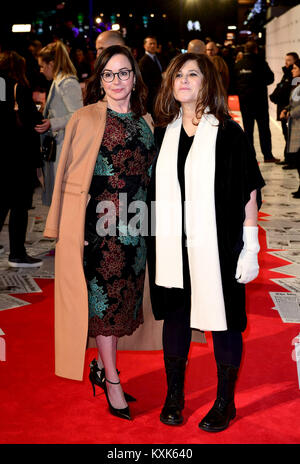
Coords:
pixel 223 410
pixel 174 404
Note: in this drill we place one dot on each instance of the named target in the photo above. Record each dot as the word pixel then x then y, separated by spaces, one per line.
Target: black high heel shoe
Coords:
pixel 99 380
pixel 123 413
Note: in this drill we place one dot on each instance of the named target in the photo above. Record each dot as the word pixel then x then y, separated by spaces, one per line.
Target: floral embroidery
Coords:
pixel 146 136
pixel 140 259
pixel 141 195
pixel 98 301
pixel 115 265
pixel 102 168
pixel 150 171
pixel 125 237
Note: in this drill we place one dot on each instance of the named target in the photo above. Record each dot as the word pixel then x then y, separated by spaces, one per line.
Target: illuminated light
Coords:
pixel 145 21
pixel 164 15
pixel 118 15
pixel 98 20
pixel 115 27
pixel 152 15
pixel 102 14
pixel 193 26
pixel 197 26
pixel 231 27
pixel 130 15
pixel 260 35
pixel 230 36
pixel 21 28
pixel 190 25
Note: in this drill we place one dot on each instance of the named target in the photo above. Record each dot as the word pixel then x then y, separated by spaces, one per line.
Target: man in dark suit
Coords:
pixel 252 76
pixel 151 69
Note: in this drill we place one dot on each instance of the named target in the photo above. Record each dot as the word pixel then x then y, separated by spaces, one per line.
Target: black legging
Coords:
pixel 228 345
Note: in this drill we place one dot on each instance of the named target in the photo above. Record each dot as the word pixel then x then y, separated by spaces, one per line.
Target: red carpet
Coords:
pixel 38 407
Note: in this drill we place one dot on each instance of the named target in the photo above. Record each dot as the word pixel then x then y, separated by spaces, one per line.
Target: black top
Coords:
pixel 20 144
pixel 236 175
pixel 179 296
pixel 185 143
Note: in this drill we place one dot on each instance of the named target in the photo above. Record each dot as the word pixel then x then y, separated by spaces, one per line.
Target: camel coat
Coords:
pixel 65 222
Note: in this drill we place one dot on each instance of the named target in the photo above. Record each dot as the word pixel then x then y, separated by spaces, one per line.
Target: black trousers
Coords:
pixel 17 227
pixel 260 114
pixel 284 128
pixel 228 345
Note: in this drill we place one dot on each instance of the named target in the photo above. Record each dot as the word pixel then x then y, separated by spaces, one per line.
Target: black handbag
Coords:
pixel 48 148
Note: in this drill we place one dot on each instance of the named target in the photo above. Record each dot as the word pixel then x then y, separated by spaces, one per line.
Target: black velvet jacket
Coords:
pixel 237 174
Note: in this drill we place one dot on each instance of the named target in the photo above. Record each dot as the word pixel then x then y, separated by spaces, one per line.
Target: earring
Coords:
pixel 133 87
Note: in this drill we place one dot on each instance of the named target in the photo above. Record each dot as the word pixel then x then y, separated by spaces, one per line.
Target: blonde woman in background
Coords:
pixel 64 98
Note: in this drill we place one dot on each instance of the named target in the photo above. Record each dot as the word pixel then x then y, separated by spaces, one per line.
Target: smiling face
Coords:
pixel 187 83
pixel 118 91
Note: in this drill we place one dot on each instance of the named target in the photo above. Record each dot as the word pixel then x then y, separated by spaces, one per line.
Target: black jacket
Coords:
pixel 20 146
pixel 152 78
pixel 281 95
pixel 252 76
pixel 236 176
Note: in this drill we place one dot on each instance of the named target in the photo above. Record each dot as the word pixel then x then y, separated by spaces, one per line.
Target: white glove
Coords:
pixel 247 266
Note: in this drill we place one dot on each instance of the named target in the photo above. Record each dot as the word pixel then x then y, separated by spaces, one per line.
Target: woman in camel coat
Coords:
pixel 80 160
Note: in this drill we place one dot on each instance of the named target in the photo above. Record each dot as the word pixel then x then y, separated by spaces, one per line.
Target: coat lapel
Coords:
pixel 49 98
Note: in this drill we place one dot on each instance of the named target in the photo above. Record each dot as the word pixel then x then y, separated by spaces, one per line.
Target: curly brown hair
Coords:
pixel 211 95
pixel 93 87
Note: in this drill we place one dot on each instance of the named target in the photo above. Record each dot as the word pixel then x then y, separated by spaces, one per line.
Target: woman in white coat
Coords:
pixel 206 187
pixel 64 98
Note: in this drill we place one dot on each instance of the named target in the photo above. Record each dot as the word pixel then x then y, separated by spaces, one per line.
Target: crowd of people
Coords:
pixel 121 125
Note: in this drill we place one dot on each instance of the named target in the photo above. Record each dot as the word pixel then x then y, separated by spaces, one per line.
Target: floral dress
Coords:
pixel 115 257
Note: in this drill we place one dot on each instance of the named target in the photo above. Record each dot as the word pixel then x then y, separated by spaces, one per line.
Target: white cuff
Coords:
pixel 250 238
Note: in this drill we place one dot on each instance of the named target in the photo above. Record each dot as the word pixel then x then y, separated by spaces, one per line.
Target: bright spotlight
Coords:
pixel 21 28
